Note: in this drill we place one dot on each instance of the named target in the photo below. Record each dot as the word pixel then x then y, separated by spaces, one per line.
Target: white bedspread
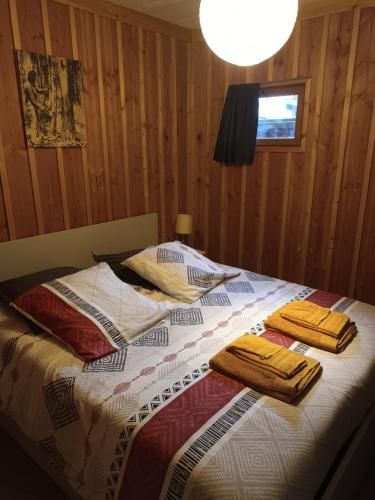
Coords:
pixel 86 418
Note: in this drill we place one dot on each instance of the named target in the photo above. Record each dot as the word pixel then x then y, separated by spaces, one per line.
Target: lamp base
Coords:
pixel 182 237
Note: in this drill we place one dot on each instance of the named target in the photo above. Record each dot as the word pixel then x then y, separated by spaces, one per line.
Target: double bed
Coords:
pixel 154 421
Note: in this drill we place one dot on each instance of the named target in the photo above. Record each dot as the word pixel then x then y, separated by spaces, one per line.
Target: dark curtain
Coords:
pixel 238 128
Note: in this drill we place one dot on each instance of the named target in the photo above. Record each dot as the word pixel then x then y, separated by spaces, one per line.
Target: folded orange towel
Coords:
pixel 266 367
pixel 321 319
pixel 267 355
pixel 309 336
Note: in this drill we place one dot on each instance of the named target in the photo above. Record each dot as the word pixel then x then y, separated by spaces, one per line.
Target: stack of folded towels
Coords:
pixel 267 367
pixel 275 370
pixel 314 325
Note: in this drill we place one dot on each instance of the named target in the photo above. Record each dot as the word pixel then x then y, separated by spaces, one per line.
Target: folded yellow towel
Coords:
pixel 309 336
pixel 321 319
pixel 267 355
pixel 266 367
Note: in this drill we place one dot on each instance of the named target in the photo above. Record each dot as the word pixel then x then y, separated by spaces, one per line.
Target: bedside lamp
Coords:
pixel 183 226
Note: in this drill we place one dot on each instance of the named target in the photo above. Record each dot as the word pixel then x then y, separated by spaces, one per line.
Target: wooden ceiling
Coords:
pixel 181 12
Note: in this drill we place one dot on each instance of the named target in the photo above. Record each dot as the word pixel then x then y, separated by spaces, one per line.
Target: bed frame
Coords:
pixel 345 480
pixel 37 456
pixel 74 248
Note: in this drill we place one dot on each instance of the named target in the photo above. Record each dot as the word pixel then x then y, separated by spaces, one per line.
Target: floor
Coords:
pixel 368 485
pixel 21 479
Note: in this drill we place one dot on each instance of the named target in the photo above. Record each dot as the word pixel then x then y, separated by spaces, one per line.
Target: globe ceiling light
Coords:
pixel 246 32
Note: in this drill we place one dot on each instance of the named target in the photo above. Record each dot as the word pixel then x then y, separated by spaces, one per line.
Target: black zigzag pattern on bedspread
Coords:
pixel 112 363
pixel 49 448
pixel 8 351
pixel 203 444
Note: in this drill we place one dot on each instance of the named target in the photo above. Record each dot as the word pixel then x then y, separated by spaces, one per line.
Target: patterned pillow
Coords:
pixel 91 311
pixel 178 270
pixel 14 287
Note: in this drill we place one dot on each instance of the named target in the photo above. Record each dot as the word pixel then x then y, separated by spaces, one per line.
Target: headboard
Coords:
pixel 73 247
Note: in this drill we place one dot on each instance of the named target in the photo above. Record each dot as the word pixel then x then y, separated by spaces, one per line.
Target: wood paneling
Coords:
pixel 312 61
pixel 135 95
pixel 18 177
pixel 303 216
pixel 32 40
pixel 130 43
pixel 7 230
pixel 252 183
pixel 181 101
pixel 231 190
pixel 85 172
pixel 152 120
pixel 358 159
pixel 294 50
pixel 124 134
pixel 342 144
pixel 197 178
pixel 278 173
pixel 331 121
pixel 102 110
pixel 131 17
pixel 112 118
pixel 319 8
pixel 154 95
pixel 364 288
pixel 4 235
pixel 86 44
pixel 169 131
pixel 160 80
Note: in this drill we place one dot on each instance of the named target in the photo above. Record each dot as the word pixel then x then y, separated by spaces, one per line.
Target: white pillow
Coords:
pixel 178 270
pixel 92 311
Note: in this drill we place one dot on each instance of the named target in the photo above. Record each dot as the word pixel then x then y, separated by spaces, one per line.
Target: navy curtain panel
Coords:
pixel 238 128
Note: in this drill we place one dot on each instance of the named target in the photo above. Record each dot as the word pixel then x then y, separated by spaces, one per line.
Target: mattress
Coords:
pixel 153 421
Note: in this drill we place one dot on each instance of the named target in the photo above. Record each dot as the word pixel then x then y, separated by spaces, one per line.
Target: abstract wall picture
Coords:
pixel 51 92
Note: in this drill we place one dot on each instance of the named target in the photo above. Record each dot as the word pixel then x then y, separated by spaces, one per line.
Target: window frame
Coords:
pixel 300 87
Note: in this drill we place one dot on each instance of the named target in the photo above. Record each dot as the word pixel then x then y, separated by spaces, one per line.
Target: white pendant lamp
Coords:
pixel 247 32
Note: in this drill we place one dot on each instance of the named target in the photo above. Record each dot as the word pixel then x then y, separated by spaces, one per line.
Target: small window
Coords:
pixel 280 114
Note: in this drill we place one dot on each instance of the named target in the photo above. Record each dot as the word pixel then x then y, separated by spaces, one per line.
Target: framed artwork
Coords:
pixel 51 93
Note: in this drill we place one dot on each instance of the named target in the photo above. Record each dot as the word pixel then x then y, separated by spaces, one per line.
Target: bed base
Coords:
pixel 37 456
pixel 345 480
pixel 342 484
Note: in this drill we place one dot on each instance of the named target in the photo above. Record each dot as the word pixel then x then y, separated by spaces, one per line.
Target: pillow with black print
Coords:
pixel 178 270
pixel 92 312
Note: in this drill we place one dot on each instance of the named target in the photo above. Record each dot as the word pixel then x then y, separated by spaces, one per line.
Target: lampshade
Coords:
pixel 246 32
pixel 183 224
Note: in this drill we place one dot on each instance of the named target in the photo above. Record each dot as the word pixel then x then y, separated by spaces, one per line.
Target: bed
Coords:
pixel 153 421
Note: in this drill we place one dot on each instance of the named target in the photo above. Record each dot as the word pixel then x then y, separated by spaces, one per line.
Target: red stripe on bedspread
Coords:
pixel 277 338
pixel 164 434
pixel 161 437
pixel 65 322
pixel 324 299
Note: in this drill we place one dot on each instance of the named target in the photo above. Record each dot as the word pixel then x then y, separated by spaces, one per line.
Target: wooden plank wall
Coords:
pixel 135 93
pixel 153 103
pixel 306 217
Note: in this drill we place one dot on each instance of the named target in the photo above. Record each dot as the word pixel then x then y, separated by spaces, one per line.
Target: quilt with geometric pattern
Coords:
pixel 153 421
